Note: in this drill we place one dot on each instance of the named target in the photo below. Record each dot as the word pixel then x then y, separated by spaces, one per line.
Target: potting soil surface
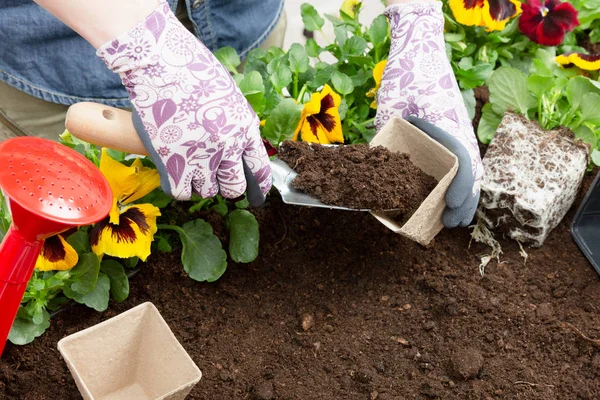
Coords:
pixel 338 307
pixel 358 176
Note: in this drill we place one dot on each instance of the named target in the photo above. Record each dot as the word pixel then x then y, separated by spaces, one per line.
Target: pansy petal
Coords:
pixel 298 128
pixel 148 180
pixel 497 13
pixel 565 16
pixel 378 73
pixel 313 132
pixel 56 255
pixel 564 60
pixel 349 7
pixel 588 62
pixel 313 106
pixel 548 34
pixel 132 237
pixel 122 179
pixel 467 12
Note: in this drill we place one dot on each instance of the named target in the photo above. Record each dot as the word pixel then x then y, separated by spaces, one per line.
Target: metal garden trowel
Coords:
pixel 112 127
pixel 586 225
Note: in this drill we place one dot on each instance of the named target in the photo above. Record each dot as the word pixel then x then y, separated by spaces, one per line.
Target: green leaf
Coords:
pixel 243 236
pixel 342 83
pixel 80 241
pixel 587 135
pixel 538 84
pixel 252 84
pixel 378 31
pixel 311 18
pixel 589 108
pixel 242 204
pixel 130 262
pixel 253 88
pixel 473 76
pixel 229 58
pixel 595 156
pixel 312 48
pixel 84 275
pixel 508 89
pixel 470 102
pixel 274 52
pixel 488 124
pixel 24 330
pixel 99 296
pixel 355 46
pixel 220 208
pixel 282 122
pixel 203 257
pixel 298 58
pixel 162 244
pixel 322 77
pixel 119 283
pixel 5 217
pixel 341 35
pixel 281 78
pixel 577 88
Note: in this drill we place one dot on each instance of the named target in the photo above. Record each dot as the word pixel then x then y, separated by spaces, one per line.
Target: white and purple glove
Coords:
pixel 194 121
pixel 419 85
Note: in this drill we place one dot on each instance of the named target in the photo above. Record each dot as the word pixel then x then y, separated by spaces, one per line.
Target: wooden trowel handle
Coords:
pixel 104 126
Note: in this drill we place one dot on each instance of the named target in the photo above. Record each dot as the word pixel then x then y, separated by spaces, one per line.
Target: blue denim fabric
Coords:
pixel 46 59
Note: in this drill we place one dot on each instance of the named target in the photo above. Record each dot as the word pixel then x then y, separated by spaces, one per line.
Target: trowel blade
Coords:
pixel 283 176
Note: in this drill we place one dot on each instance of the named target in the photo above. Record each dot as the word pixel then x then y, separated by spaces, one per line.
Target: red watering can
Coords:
pixel 51 188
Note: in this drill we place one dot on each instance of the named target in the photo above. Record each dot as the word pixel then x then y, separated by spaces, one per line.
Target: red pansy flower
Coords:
pixel 546 22
pixel 271 151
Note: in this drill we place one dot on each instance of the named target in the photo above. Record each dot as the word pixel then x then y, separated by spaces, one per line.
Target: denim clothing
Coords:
pixel 41 56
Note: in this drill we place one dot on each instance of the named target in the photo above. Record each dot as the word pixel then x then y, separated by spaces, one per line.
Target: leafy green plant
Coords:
pixel 277 82
pixel 203 256
pixel 94 280
pixel 552 95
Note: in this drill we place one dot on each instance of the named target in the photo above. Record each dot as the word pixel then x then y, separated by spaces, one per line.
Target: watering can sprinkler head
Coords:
pixel 51 188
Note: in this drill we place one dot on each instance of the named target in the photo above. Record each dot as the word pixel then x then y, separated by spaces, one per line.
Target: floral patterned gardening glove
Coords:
pixel 194 121
pixel 418 85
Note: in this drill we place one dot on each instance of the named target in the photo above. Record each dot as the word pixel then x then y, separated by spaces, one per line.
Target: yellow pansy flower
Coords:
pixel 320 121
pixel 377 75
pixel 128 230
pixel 587 62
pixel 349 7
pixel 493 14
pixel 56 255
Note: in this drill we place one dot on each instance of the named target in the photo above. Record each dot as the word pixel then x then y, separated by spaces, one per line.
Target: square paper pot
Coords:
pixel 399 136
pixel 131 356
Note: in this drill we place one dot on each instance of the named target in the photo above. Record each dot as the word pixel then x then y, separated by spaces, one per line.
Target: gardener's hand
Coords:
pixel 418 82
pixel 460 203
pixel 194 121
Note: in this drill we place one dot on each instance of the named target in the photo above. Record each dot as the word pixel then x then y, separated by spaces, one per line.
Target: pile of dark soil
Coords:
pixel 358 176
pixel 339 307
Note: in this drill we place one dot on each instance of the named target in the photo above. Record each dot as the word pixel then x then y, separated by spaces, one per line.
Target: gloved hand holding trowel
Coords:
pixel 198 128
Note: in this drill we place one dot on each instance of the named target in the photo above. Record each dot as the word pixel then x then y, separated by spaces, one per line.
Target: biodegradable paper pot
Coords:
pixel 399 136
pixel 131 356
pixel 531 178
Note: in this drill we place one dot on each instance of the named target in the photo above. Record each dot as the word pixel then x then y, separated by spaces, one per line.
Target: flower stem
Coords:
pixel 364 123
pixel 302 91
pixel 171 227
pixel 295 93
